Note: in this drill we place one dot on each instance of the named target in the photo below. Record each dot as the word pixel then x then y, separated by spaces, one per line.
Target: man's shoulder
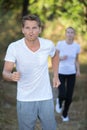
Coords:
pixel 45 40
pixel 46 43
pixel 16 43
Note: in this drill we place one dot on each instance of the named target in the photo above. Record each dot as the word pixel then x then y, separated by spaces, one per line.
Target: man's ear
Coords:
pixel 22 30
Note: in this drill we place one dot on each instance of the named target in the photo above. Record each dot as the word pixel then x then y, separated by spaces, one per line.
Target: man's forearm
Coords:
pixel 7 75
pixel 55 63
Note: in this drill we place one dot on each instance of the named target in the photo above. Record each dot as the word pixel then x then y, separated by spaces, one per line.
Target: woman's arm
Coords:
pixel 77 65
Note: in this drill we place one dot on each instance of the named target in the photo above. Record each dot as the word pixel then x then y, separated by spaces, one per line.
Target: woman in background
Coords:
pixel 68 70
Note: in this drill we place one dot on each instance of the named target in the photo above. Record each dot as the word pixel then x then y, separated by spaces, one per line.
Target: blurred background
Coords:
pixel 56 16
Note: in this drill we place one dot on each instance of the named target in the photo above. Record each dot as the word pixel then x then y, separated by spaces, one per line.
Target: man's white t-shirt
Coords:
pixel 70 50
pixel 34 83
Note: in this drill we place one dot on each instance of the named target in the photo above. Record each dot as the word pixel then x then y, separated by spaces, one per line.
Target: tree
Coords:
pixel 25 7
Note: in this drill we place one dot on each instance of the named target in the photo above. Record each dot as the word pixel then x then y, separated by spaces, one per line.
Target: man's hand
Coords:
pixel 15 76
pixel 56 82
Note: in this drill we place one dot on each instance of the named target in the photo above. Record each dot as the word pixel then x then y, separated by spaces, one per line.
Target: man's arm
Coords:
pixel 55 63
pixel 8 74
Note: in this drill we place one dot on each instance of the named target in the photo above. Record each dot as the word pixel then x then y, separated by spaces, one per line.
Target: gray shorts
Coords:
pixel 29 112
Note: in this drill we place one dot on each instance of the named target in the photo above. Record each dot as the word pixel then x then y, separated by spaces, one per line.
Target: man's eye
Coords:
pixel 27 27
pixel 34 27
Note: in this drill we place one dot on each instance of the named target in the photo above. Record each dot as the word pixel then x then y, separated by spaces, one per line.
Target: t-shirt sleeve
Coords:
pixel 52 50
pixel 58 46
pixel 10 54
pixel 78 49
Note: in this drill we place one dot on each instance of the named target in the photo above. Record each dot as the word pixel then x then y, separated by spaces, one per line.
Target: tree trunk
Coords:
pixel 25 7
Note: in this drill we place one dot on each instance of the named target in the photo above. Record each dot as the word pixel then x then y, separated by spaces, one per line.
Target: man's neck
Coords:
pixel 32 45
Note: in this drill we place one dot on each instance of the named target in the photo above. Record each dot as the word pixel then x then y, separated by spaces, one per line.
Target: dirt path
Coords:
pixel 77 113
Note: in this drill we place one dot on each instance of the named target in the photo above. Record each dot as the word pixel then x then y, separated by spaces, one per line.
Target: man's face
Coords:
pixel 31 30
pixel 70 34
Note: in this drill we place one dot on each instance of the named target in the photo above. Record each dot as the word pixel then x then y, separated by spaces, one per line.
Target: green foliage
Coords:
pixel 56 15
pixel 68 12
